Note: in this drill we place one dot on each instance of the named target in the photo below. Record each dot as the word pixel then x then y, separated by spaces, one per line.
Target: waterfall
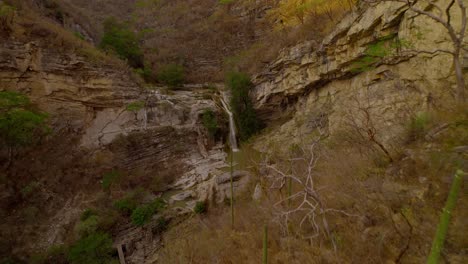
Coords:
pixel 232 125
pixel 145 118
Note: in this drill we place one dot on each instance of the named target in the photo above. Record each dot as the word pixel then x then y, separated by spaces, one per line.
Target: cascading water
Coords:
pixel 232 125
pixel 145 117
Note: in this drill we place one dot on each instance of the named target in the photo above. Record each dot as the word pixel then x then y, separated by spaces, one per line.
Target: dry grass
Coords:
pixel 211 240
pixel 392 209
pixel 29 25
pixel 207 37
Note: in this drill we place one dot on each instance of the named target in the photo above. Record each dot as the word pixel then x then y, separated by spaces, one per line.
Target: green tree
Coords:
pixel 171 75
pixel 210 122
pixel 242 107
pixel 119 38
pixel 20 124
pixel 93 249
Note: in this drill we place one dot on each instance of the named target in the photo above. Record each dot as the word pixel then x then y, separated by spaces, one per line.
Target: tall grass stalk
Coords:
pixel 265 244
pixel 442 228
pixel 232 191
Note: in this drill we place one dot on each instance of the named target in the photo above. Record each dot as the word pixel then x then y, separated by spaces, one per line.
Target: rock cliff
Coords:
pixel 161 139
pixel 331 81
pixel 103 119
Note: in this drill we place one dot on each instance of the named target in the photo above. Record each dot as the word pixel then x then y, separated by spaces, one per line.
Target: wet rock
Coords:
pixel 258 193
pixel 226 177
pixel 182 196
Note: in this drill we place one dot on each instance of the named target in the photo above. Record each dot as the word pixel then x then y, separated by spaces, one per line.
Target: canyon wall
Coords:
pixel 333 81
pixel 95 130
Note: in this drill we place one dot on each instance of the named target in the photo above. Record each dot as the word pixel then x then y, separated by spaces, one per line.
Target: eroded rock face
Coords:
pixel 324 83
pixel 92 99
pixel 65 85
pixel 94 131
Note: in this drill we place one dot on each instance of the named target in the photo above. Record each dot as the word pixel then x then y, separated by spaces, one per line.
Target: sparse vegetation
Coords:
pixel 110 179
pixel 200 207
pixel 418 126
pixel 87 213
pixel 135 106
pixel 79 35
pixel 161 225
pixel 377 52
pixel 455 28
pixel 294 12
pixel 29 189
pixel 57 254
pixel 7 14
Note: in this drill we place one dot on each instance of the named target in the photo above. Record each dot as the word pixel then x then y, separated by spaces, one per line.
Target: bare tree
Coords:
pixel 443 16
pixel 362 123
pixel 303 205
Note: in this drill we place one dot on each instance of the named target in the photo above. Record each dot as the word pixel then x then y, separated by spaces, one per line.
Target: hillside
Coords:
pixel 207 37
pixel 204 131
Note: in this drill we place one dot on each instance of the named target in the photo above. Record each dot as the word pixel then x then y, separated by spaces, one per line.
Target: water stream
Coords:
pixel 232 125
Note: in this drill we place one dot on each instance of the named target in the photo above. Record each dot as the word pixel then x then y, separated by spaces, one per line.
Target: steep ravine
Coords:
pixel 310 87
pixel 93 131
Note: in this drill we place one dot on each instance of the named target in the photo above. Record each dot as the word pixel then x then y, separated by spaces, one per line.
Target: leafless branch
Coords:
pixel 305 204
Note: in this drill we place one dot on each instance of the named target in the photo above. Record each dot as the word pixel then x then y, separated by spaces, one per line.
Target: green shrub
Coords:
pixel 158 205
pixel 8 260
pixel 142 214
pixel 109 179
pixel 200 207
pixel 171 75
pixel 93 221
pixel 57 254
pixel 241 105
pixel 226 2
pixel 30 214
pixel 7 13
pixel 93 249
pixel 79 35
pixel 6 10
pixel 135 106
pixel 373 54
pixel 88 226
pixel 87 213
pixel 161 225
pixel 126 205
pixel 418 126
pixel 20 124
pixel 146 73
pixel 118 37
pixel 376 52
pixel 29 189
pixel 210 122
